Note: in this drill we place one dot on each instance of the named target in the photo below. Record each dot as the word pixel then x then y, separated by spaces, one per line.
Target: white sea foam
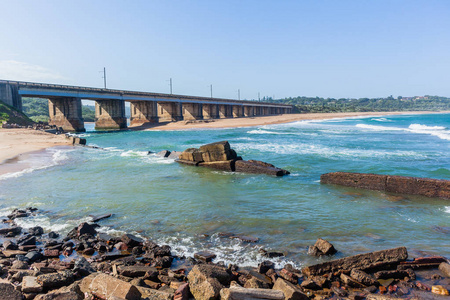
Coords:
pixel 44 222
pixel 438 131
pixel 447 209
pixel 381 120
pixel 156 159
pixel 134 153
pixel 425 127
pixel 324 151
pixel 262 131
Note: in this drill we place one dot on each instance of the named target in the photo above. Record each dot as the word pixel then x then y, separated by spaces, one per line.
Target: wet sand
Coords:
pixel 16 143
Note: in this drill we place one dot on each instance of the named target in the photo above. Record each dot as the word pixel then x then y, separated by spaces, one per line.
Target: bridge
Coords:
pixel 65 105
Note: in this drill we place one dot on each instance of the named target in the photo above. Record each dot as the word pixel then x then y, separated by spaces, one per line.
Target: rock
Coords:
pixel 206 281
pixel 164 153
pixel 205 256
pixel 27 240
pixel 239 293
pixel 423 262
pixel 174 155
pixel 396 274
pixel 9 245
pixel 348 281
pixel 12 253
pixel 314 251
pixel 33 256
pixel 82 267
pixel 257 167
pixel 20 265
pixel 360 261
pixel 89 251
pixel 18 213
pixel 219 151
pixel 136 270
pixel 325 247
pixel 394 184
pixel 265 266
pixel 37 231
pixel 131 240
pixel 30 285
pixel 445 269
pixel 51 252
pixel 244 238
pixel 71 292
pixel 7 292
pixel 363 277
pixel 439 290
pixel 95 219
pixel 15 230
pixel 227 165
pixel 53 235
pixel 182 292
pixel 147 293
pixel 191 155
pixel 309 284
pixel 270 254
pixel 106 286
pixel 290 291
pixel 55 280
pixel 255 283
pixel 163 261
pixel 289 276
pixel 85 228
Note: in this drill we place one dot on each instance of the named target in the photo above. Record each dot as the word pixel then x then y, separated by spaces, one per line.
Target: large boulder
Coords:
pixel 220 156
pixel 8 292
pixel 106 287
pixel 206 281
pixel 290 291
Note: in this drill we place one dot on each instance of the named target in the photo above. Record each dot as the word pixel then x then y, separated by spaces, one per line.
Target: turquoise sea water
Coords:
pixel 188 207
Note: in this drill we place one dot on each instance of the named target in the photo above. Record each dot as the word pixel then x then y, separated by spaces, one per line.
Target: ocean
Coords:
pixel 193 209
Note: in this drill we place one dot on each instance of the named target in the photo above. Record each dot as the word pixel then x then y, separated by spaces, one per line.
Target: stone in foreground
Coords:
pixel 361 261
pixel 290 291
pixel 239 293
pixel 106 286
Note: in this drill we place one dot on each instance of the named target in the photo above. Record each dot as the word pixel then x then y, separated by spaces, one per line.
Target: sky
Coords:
pixel 324 48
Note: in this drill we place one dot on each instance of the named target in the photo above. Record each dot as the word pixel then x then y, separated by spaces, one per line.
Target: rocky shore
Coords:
pixel 86 264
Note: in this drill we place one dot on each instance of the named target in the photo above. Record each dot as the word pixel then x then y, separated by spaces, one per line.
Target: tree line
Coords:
pixel 329 105
pixel 37 110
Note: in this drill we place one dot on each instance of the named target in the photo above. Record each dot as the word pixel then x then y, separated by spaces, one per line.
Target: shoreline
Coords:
pixel 270 120
pixel 18 144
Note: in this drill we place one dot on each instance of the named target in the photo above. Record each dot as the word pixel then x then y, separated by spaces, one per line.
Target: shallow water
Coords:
pixel 188 207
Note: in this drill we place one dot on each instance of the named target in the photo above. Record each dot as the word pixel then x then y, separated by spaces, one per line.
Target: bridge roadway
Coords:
pixel 65 105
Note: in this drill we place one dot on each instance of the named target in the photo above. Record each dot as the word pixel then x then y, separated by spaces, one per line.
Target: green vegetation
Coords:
pixel 316 105
pixel 37 110
pixel 11 115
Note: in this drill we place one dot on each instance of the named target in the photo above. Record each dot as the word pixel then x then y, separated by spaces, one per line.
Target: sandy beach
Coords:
pixel 17 142
pixel 267 120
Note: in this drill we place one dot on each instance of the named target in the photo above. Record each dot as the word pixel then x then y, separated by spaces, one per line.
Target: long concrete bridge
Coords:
pixel 65 105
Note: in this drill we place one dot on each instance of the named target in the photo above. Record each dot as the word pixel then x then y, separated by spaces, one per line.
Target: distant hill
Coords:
pixel 11 115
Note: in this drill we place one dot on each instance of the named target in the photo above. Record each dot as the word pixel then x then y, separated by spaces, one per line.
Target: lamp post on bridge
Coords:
pixel 104 76
pixel 211 90
pixel 239 94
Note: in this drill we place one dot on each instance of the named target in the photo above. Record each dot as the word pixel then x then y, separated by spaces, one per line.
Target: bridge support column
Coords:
pixel 65 112
pixel 169 111
pixel 225 111
pixel 210 111
pixel 237 111
pixel 9 93
pixel 110 114
pixel 192 111
pixel 143 112
pixel 248 111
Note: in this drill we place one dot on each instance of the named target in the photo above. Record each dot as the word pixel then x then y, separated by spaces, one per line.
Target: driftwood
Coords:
pixel 240 293
pixel 361 261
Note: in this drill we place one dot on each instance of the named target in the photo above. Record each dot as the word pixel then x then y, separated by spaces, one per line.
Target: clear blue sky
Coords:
pixel 284 48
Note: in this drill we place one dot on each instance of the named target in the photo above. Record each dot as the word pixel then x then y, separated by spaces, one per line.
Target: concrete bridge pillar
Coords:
pixel 237 111
pixel 65 112
pixel 143 112
pixel 169 111
pixel 9 93
pixel 110 114
pixel 225 111
pixel 210 111
pixel 192 111
pixel 248 111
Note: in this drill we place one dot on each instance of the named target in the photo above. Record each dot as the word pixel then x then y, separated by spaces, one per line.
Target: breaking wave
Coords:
pixel 438 131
